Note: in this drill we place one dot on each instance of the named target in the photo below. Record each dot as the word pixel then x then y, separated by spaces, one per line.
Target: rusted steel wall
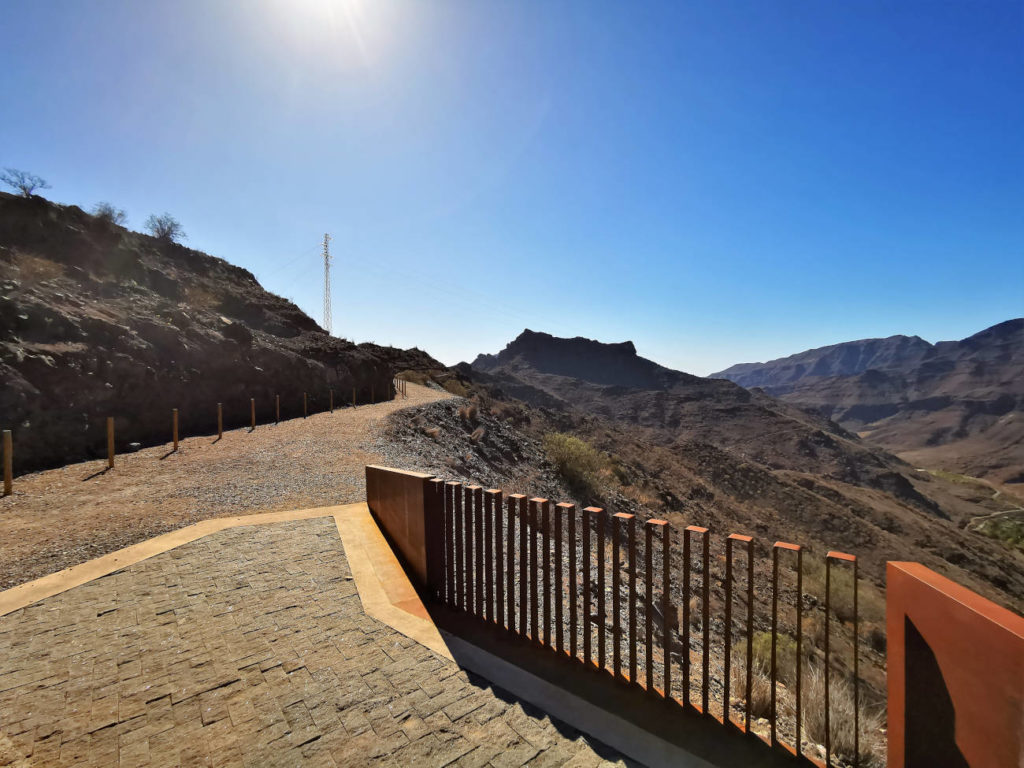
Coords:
pixel 956 674
pixel 408 507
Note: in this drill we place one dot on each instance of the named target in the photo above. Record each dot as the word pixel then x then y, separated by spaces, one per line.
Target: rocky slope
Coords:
pixel 708 452
pixel 957 405
pixel 98 321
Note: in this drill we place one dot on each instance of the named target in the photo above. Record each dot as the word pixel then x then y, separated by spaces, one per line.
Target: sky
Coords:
pixel 719 182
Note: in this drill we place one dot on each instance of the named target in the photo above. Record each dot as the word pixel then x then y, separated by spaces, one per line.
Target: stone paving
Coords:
pixel 249 647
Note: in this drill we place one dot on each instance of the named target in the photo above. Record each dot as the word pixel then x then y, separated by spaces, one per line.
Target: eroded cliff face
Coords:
pixel 98 321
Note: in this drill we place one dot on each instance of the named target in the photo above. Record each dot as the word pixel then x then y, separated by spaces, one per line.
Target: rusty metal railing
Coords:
pixel 543 572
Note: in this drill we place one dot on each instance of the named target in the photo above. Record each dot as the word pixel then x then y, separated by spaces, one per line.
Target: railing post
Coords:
pixel 570 513
pixel 470 539
pixel 602 567
pixel 489 540
pixel 617 519
pixel 498 506
pixel 449 543
pixel 460 561
pixel 830 558
pixel 305 405
pixel 649 527
pixel 174 427
pixel 524 568
pixel 727 674
pixel 782 545
pixel 706 625
pixel 585 561
pixel 559 616
pixel 8 463
pixel 750 629
pixel 688 533
pixel 220 420
pixel 277 409
pixel 478 547
pixel 546 540
pixel 633 639
pixel 331 399
pixel 510 541
pixel 252 413
pixel 534 574
pixel 110 442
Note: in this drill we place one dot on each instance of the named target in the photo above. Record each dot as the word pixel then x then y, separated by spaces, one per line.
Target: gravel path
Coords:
pixel 62 517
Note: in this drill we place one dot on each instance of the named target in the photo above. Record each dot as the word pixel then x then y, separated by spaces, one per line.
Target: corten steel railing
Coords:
pixel 541 571
pixel 401 386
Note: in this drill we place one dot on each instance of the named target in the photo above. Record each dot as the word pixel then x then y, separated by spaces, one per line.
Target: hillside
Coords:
pixel 955 405
pixel 708 452
pixel 98 321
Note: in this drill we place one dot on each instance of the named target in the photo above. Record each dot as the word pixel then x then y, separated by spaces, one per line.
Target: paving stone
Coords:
pixel 248 647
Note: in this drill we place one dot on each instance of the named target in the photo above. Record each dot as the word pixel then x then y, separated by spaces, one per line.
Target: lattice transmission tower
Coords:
pixel 327 283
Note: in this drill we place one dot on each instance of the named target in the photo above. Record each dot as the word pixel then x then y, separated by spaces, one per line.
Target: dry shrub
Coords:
pixel 876 638
pixel 478 433
pixel 36 268
pixel 785 656
pixel 432 432
pixel 468 412
pixel 695 612
pixel 760 685
pixel 577 461
pixel 198 297
pixel 455 387
pixel 841 711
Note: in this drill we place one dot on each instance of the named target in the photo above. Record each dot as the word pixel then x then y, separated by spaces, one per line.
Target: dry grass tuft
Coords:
pixel 432 432
pixel 468 412
pixel 841 711
pixel 478 433
pixel 36 268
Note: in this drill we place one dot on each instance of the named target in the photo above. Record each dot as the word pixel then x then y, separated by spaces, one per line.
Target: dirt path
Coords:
pixel 65 516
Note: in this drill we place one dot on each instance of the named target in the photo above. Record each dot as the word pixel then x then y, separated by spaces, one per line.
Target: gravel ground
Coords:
pixel 62 517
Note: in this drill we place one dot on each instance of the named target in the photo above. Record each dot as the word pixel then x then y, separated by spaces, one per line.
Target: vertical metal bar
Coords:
pixel 727 640
pixel 451 566
pixel 585 566
pixel 750 628
pixel 706 624
pixel 546 539
pixel 220 420
pixel 649 603
pixel 489 555
pixel 601 596
pixel 252 413
pixel 616 608
pixel 499 557
pixel 828 662
pixel 510 540
pixel 174 427
pixel 560 510
pixel 856 674
pixel 534 572
pixel 687 560
pixel 478 547
pixel 277 409
pixel 570 512
pixel 495 569
pixel 460 555
pixel 331 400
pixel 666 605
pixel 467 510
pixel 775 630
pixel 799 643
pixel 631 559
pixel 524 569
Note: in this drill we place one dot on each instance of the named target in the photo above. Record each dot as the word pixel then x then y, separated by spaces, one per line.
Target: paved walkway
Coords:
pixel 249 647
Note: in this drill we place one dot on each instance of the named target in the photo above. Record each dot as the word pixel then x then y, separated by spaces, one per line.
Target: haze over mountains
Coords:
pixel 955 405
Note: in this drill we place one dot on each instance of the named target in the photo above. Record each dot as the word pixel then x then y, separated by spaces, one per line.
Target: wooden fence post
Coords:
pixel 332 400
pixel 252 412
pixel 110 442
pixel 277 409
pixel 174 427
pixel 220 420
pixel 8 463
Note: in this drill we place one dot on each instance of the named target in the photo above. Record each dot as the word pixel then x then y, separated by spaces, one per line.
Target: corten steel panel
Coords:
pixel 401 503
pixel 955 674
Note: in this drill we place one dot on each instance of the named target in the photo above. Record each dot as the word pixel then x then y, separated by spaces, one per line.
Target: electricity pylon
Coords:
pixel 327 284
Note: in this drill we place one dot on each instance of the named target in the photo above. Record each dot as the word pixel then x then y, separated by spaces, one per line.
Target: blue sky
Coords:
pixel 719 182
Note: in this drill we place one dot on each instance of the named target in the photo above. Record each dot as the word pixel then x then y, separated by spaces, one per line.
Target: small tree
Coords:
pixel 26 183
pixel 109 214
pixel 165 227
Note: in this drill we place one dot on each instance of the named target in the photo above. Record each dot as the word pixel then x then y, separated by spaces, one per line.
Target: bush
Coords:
pixel 576 461
pixel 109 214
pixel 165 227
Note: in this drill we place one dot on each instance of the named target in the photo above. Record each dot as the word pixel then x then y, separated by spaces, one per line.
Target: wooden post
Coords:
pixel 8 463
pixel 277 409
pixel 110 442
pixel 305 405
pixel 331 401
pixel 174 427
pixel 252 412
pixel 220 420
